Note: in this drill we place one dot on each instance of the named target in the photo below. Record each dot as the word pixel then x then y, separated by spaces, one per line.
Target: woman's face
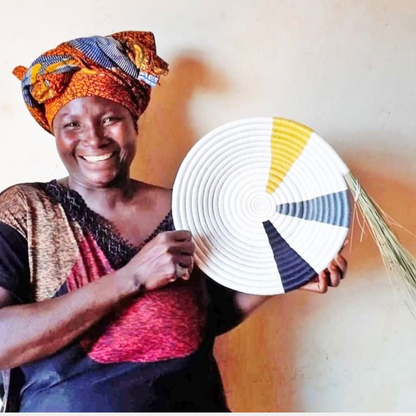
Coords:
pixel 96 140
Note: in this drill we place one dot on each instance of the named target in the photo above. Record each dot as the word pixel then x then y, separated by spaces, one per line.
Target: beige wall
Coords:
pixel 346 69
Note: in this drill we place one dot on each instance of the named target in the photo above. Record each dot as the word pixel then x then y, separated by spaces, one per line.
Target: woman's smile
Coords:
pixel 97 158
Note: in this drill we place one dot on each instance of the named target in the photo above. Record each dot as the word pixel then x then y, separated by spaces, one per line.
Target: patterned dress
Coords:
pixel 154 353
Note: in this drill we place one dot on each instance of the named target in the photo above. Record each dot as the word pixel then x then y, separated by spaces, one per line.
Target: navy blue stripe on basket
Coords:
pixel 330 209
pixel 294 270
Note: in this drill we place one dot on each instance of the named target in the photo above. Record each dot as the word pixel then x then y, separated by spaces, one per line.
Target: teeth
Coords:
pixel 97 158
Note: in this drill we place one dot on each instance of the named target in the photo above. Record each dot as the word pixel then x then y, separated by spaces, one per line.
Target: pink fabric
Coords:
pixel 154 326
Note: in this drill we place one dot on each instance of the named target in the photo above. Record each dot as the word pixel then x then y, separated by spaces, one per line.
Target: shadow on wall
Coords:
pixel 258 359
pixel 165 131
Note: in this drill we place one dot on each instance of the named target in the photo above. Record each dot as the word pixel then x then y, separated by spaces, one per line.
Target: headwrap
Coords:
pixel 121 67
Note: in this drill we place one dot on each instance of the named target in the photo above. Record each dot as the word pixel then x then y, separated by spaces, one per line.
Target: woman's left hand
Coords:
pixel 245 304
pixel 330 277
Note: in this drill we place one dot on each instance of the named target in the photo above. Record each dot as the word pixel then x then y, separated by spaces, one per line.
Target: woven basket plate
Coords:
pixel 266 202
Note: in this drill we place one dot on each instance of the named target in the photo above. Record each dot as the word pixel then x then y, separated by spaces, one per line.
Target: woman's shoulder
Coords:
pixel 21 198
pixel 21 192
pixel 15 203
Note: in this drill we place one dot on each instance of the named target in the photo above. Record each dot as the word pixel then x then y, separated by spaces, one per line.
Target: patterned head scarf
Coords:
pixel 121 67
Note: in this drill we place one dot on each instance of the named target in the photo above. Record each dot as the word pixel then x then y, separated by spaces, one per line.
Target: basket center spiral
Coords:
pixel 260 206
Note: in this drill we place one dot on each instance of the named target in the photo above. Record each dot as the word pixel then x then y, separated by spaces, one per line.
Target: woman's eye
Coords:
pixel 72 124
pixel 110 120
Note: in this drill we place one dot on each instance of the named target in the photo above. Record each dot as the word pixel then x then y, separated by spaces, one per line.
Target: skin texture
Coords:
pixel 96 127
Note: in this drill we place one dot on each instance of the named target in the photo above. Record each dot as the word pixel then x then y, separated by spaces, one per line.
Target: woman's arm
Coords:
pixel 33 331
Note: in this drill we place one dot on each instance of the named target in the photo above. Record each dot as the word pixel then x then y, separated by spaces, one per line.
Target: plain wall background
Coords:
pixel 344 68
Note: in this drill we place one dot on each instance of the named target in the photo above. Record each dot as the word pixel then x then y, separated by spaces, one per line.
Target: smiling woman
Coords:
pixel 96 140
pixel 99 299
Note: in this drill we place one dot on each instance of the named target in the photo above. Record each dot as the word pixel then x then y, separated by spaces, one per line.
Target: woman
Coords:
pixel 98 297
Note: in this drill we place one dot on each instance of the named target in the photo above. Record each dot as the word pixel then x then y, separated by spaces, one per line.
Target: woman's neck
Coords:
pixel 105 198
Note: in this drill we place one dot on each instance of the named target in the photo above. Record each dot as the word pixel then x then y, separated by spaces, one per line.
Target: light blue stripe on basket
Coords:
pixel 331 209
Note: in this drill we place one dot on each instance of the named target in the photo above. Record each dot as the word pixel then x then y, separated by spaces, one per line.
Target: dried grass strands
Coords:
pixel 399 263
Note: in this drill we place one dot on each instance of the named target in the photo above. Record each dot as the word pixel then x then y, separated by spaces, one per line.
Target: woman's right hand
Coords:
pixel 37 330
pixel 169 256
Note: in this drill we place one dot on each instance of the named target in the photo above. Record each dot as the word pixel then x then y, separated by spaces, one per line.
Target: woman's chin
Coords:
pixel 101 181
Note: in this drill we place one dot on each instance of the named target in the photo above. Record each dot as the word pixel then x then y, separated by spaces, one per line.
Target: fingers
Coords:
pixel 319 284
pixel 182 272
pixel 337 270
pixel 334 275
pixel 178 242
pixel 179 236
pixel 178 248
pixel 181 248
pixel 182 269
pixel 346 242
pixel 341 263
pixel 184 261
pixel 164 259
pixel 330 277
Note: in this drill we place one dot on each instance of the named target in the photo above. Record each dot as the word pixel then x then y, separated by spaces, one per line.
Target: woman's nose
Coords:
pixel 94 137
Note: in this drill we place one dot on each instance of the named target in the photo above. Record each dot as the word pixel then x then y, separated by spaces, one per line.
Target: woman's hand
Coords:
pixel 331 276
pixel 168 257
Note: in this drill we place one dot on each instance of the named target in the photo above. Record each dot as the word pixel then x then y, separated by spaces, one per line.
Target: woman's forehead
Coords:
pixel 90 106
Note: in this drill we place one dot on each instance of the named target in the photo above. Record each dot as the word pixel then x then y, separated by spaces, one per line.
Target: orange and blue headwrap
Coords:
pixel 122 67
